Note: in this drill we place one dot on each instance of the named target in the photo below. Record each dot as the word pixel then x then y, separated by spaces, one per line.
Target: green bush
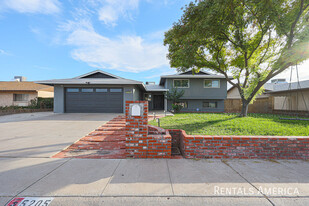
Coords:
pixel 37 103
pixel 177 107
pixel 11 107
pixel 45 103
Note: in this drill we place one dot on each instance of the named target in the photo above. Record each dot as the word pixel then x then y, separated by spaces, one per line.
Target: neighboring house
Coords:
pixel 291 97
pixel 20 93
pixel 278 96
pixel 99 91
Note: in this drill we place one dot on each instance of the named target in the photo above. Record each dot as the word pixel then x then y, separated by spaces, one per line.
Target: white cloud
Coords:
pixel 31 6
pixel 112 10
pixel 123 53
pixel 2 52
pixel 159 73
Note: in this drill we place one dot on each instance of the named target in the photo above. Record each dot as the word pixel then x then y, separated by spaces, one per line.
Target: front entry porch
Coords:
pixel 156 101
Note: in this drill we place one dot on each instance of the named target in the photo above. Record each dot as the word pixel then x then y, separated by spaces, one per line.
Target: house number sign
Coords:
pixel 30 201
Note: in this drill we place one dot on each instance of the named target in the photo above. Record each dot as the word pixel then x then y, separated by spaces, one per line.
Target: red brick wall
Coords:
pixel 140 144
pixel 241 147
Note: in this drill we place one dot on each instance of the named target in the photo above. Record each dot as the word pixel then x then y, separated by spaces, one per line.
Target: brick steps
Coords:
pixel 110 128
pixel 114 125
pixel 105 138
pixel 106 142
pixel 102 133
pixel 86 145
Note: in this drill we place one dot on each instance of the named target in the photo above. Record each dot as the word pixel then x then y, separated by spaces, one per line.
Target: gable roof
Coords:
pixel 189 75
pixel 197 73
pixel 267 87
pixel 283 87
pixel 23 86
pixel 89 74
pixel 85 80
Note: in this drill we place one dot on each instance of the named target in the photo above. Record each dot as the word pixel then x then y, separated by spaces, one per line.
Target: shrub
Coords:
pixel 177 107
pixel 45 103
pixel 37 103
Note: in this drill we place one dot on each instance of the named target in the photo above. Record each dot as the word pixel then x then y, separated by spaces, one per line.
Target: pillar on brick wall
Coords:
pixel 136 129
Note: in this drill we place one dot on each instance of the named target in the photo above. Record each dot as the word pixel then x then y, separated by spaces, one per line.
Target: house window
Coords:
pixel 211 83
pixel 181 83
pixel 115 90
pixel 87 90
pixel 210 104
pixel 72 90
pixel 101 90
pixel 147 97
pixel 20 97
pixel 183 104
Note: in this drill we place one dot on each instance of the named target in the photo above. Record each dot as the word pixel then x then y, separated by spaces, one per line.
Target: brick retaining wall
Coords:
pixel 242 147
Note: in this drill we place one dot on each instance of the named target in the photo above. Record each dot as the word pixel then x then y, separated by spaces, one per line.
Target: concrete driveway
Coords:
pixel 44 134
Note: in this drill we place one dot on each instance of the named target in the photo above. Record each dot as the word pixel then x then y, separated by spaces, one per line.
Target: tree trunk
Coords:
pixel 244 109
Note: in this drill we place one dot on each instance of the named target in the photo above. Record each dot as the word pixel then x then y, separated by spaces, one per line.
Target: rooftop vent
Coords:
pixel 150 83
pixel 20 78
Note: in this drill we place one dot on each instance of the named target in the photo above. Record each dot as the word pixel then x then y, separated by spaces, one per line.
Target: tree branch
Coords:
pixel 219 70
pixel 291 36
pixel 267 48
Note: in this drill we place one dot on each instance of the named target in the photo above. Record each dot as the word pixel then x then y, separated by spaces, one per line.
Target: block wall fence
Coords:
pixel 242 147
pixel 142 140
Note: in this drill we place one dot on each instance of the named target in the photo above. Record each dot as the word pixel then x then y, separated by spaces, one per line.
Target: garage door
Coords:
pixel 94 100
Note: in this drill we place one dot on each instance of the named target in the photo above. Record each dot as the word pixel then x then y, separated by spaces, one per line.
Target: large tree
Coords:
pixel 252 40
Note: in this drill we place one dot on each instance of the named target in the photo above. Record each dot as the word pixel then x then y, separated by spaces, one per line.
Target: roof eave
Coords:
pixel 157 90
pixel 288 90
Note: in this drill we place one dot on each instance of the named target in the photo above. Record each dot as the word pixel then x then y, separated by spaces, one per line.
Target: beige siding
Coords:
pixel 234 94
pixel 45 94
pixel 292 101
pixel 6 99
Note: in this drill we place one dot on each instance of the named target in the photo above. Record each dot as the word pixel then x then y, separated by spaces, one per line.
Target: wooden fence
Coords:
pixel 262 105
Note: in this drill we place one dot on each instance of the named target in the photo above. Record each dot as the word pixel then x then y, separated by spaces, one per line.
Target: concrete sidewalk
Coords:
pixel 155 181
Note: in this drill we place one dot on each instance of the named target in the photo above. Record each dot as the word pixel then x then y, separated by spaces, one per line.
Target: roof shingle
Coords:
pixel 22 86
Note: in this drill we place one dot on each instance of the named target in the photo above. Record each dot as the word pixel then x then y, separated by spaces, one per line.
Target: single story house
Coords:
pixel 100 92
pixel 291 97
pixel 20 93
pixel 279 95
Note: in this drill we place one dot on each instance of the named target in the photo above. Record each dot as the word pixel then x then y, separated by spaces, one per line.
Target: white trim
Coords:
pixel 181 87
pixel 205 73
pixel 212 80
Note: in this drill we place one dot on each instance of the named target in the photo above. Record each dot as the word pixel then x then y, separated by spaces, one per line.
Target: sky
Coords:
pixel 55 39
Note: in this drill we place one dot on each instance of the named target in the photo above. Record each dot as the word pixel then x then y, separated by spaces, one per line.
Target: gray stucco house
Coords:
pixel 99 91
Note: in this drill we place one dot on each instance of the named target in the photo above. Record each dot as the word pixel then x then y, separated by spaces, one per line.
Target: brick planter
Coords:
pixel 242 147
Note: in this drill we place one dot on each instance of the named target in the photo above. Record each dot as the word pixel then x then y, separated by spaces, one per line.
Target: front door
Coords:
pixel 158 102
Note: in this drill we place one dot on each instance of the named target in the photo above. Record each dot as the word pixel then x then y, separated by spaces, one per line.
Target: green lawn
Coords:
pixel 231 124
